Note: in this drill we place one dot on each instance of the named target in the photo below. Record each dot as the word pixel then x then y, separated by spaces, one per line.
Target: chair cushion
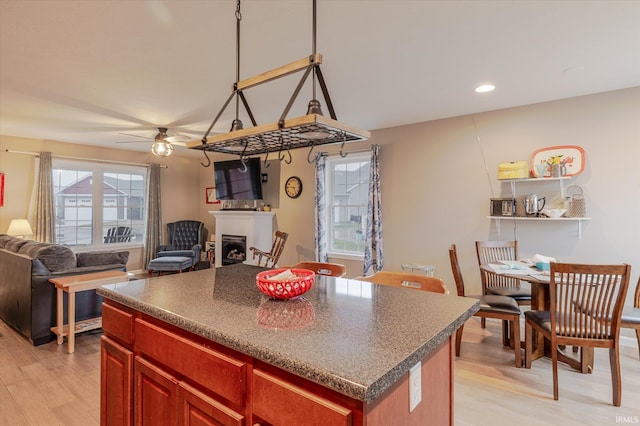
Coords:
pixel 170 263
pixel 499 304
pixel 515 293
pixel 631 315
pixel 540 318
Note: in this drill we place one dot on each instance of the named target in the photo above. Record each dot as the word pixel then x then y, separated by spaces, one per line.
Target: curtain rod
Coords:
pixel 36 154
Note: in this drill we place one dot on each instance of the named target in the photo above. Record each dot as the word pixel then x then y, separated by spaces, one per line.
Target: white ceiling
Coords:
pixel 88 71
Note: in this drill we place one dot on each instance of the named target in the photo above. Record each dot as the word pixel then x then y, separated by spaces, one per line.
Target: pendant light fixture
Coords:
pixel 312 129
pixel 161 147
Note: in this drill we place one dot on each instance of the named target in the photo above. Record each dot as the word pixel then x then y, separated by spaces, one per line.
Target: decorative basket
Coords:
pixel 577 207
pixel 285 289
pixel 286 314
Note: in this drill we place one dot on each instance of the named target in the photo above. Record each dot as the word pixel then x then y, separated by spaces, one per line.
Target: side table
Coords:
pixel 71 285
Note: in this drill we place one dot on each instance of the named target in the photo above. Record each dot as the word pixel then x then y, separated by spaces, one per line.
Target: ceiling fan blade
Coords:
pixel 135 136
pixel 134 141
pixel 178 138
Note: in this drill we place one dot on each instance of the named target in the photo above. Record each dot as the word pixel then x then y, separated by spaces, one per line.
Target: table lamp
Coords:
pixel 19 228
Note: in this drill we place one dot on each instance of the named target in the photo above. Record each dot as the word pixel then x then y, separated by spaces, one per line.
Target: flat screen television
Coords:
pixel 233 182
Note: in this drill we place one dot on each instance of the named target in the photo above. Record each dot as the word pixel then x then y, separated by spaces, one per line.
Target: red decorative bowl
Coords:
pixel 285 289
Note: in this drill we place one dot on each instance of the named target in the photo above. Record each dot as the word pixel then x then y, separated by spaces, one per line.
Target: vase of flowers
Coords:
pixel 557 165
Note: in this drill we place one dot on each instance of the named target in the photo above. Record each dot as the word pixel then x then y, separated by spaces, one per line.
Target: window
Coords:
pixel 91 199
pixel 347 186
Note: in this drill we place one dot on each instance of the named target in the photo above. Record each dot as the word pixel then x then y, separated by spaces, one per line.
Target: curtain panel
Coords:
pixel 373 251
pixel 153 233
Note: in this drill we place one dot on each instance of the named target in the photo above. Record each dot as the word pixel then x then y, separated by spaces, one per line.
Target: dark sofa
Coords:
pixel 28 299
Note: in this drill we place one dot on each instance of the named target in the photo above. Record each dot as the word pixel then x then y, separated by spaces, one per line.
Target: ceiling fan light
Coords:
pixel 162 149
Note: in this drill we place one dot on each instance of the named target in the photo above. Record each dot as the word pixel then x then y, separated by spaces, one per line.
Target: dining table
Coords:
pixel 540 301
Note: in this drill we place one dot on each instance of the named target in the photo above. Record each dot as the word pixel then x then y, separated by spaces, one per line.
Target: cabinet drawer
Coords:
pixel 221 374
pixel 282 403
pixel 117 324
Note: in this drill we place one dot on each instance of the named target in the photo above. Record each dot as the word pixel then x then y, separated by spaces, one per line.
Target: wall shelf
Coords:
pixel 513 183
pixel 579 221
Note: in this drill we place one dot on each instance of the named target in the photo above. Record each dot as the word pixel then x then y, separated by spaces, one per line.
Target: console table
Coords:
pixel 72 284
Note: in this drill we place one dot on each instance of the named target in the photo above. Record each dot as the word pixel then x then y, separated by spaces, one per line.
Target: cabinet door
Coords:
pixel 279 402
pixel 196 408
pixel 155 396
pixel 116 372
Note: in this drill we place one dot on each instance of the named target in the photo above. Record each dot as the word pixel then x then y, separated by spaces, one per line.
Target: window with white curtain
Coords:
pixel 347 186
pixel 91 198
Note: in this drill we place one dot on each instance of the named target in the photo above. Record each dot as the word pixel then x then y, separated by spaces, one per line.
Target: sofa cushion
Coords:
pixel 98 258
pixel 16 244
pixel 56 257
pixel 4 239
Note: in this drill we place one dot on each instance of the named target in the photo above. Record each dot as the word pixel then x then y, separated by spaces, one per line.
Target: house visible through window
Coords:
pixel 347 186
pixel 94 200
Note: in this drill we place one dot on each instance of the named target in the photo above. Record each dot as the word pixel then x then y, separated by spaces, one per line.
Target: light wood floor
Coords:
pixel 45 385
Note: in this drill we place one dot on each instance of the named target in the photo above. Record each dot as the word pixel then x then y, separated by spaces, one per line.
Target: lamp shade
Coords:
pixel 20 228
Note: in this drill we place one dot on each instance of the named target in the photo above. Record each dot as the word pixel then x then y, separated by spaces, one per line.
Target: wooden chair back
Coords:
pixel 599 291
pixel 413 281
pixel 271 258
pixel 323 268
pixel 455 268
pixel 494 252
pixel 631 315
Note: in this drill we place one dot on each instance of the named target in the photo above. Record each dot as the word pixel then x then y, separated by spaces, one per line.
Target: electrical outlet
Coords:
pixel 415 386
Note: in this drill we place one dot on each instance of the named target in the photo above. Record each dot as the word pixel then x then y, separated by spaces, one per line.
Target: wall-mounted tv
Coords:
pixel 234 181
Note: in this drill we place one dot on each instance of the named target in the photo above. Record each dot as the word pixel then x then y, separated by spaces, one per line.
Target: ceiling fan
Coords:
pixel 174 138
pixel 162 142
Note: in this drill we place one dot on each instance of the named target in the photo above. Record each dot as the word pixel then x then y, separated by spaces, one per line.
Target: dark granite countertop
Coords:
pixel 353 337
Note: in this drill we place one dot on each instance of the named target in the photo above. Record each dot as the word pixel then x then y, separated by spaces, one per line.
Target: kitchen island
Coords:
pixel 208 346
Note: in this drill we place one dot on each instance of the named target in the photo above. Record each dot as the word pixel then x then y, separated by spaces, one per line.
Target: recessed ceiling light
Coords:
pixel 484 88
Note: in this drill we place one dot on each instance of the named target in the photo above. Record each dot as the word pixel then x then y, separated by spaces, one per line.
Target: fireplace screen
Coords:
pixel 234 249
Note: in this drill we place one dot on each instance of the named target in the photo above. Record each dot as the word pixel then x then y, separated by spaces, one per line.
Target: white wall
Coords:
pixel 436 186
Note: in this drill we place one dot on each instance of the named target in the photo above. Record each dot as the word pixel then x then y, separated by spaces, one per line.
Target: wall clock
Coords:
pixel 293 187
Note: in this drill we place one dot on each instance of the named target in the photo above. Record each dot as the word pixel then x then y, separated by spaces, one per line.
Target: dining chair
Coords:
pixel 494 252
pixel 491 306
pixel 630 319
pixel 403 280
pixel 323 268
pixel 631 315
pixel 600 291
pixel 271 257
pixel 496 284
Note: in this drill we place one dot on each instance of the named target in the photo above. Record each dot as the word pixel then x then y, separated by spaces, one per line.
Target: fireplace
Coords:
pixel 258 227
pixel 234 249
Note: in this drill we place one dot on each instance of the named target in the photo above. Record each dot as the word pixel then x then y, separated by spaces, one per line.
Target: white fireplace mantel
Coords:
pixel 256 226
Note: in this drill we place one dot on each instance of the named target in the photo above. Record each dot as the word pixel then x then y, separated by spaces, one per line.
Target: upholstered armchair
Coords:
pixel 185 239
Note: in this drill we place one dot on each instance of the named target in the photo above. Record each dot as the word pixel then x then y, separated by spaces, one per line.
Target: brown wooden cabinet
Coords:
pixel 156 373
pixel 116 383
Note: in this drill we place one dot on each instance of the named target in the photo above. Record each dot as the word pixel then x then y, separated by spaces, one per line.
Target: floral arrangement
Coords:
pixel 557 160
